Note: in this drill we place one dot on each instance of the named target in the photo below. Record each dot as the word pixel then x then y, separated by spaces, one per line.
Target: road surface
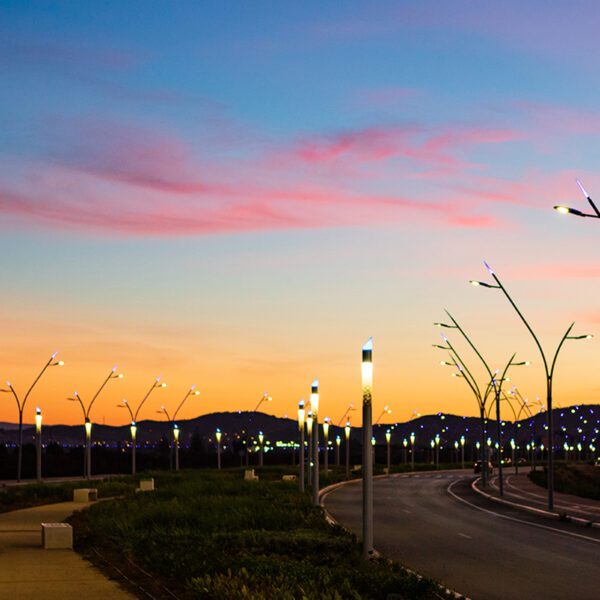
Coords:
pixel 436 525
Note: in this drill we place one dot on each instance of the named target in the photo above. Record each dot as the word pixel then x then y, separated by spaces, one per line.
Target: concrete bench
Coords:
pixel 289 478
pixel 57 535
pixel 249 475
pixel 146 485
pixel 85 495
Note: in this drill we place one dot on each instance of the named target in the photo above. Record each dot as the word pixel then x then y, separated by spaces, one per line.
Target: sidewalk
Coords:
pixel 520 490
pixel 29 572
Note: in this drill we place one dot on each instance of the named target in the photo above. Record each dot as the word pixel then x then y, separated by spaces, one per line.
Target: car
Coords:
pixel 477 467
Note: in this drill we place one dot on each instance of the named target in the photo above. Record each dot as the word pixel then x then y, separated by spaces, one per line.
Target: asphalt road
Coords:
pixel 473 545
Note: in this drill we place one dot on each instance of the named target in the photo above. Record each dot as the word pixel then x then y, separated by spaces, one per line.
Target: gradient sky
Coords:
pixel 237 195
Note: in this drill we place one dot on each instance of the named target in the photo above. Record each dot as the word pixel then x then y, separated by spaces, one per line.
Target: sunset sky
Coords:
pixel 238 194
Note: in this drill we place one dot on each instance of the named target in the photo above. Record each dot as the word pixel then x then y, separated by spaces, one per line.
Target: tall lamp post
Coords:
pixel 326 444
pixel 314 405
pixel 347 433
pixel 573 211
pixel 367 462
pixel 388 439
pixel 38 443
pixel 218 436
pixel 437 450
pixel 301 449
pixel 412 451
pixel 21 406
pixel 133 415
pixel 462 451
pixel 549 372
pixel 338 441
pixel 261 441
pixel 309 424
pixel 192 391
pixel 265 398
pixel 87 424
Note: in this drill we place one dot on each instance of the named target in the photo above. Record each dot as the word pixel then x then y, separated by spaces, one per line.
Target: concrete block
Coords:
pixel 249 475
pixel 289 478
pixel 85 495
pixel 147 485
pixel 57 535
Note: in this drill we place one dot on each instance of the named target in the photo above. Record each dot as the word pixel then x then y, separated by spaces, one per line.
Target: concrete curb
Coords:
pixel 325 491
pixel 538 511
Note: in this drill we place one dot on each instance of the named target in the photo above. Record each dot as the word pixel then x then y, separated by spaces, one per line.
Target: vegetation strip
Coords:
pixel 209 535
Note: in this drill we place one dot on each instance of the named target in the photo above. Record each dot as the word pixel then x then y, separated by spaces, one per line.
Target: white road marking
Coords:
pixel 501 516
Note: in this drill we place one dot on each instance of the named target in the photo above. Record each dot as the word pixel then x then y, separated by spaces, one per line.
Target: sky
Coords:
pixel 238 195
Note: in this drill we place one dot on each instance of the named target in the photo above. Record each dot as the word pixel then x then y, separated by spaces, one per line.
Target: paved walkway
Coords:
pixel 521 490
pixel 29 572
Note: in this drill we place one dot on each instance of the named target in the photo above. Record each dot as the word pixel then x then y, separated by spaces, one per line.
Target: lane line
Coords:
pixel 501 516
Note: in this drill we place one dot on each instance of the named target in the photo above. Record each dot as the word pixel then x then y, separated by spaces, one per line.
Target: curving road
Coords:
pixel 436 525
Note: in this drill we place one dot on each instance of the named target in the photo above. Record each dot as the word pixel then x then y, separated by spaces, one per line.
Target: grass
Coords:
pixel 34 494
pixel 211 535
pixel 578 479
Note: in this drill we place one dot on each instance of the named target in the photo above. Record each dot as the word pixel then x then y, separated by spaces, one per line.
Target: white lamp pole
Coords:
pixel 412 451
pixel 388 439
pixel 218 436
pixel 309 423
pixel 347 432
pixel 314 404
pixel 326 443
pixel 176 440
pixel 367 462
pixel 437 450
pixel 301 449
pixel 38 442
pixel 405 452
pixel 338 441
pixel 261 439
pixel 88 448
pixel 462 451
pixel 133 430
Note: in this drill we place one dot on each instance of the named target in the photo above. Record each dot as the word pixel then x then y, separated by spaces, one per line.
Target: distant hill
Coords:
pixel 572 424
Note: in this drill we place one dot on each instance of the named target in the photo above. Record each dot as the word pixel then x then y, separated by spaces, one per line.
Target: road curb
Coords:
pixel 326 490
pixel 538 511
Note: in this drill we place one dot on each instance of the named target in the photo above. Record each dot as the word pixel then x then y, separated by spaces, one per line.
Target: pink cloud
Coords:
pixel 556 271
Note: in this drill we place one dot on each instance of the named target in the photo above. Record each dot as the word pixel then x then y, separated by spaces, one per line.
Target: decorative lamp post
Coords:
pixel 309 423
pixel 87 424
pixel 432 455
pixel 347 432
pixel 367 463
pixel 326 421
pixel 314 405
pixel 412 450
pixel 373 448
pixel 512 455
pixel 462 451
pixel 388 439
pixel 405 451
pixel 437 450
pixel 261 441
pixel 155 384
pixel 455 451
pixel 549 369
pixel 133 430
pixel 21 406
pixel 176 442
pixel 338 441
pixel 573 211
pixel 301 449
pixel 38 442
pixel 218 436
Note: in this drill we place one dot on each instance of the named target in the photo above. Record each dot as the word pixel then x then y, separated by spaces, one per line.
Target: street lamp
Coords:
pixel 38 442
pixel 192 391
pixel 437 450
pixel 261 441
pixel 549 372
pixel 386 411
pixel 412 451
pixel 301 449
pixel 309 424
pixel 462 451
pixel 347 432
pixel 326 421
pixel 314 405
pixel 265 398
pixel 573 211
pixel 218 436
pixel 405 451
pixel 21 406
pixel 155 384
pixel 87 424
pixel 338 441
pixel 388 439
pixel 367 463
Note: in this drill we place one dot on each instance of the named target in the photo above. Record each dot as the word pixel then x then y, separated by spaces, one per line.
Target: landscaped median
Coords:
pixel 212 535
